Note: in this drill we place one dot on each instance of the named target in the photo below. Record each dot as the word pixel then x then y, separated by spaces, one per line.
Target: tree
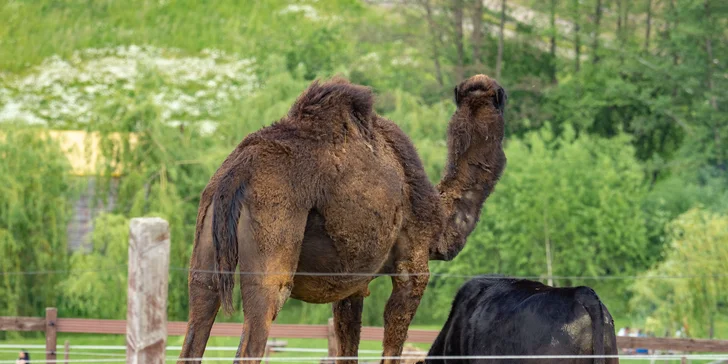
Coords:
pixel 577 35
pixel 98 283
pixel 552 40
pixel 648 26
pixel 597 20
pixel 578 198
pixel 477 37
pixel 689 287
pixel 457 12
pixel 34 213
pixel 501 29
pixel 435 38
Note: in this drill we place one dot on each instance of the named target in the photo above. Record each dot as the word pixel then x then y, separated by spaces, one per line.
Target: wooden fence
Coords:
pixel 146 327
pixel 52 325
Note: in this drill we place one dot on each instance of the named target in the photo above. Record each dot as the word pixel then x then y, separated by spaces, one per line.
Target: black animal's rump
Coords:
pixel 493 316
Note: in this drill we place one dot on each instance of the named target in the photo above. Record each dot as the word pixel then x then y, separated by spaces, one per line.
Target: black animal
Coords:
pixel 501 316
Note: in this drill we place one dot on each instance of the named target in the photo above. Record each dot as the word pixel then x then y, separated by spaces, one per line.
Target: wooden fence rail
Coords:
pixel 146 327
pixel 52 325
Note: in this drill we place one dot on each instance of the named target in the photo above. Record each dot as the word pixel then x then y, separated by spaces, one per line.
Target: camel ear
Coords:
pixel 457 97
pixel 500 99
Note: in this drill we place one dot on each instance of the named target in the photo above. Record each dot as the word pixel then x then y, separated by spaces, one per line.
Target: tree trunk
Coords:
pixel 676 23
pixel 620 30
pixel 577 41
pixel 547 241
pixel 434 34
pixel 667 30
pixel 709 50
pixel 458 18
pixel 649 25
pixel 499 60
pixel 625 20
pixel 713 99
pixel 553 42
pixel 477 37
pixel 619 19
pixel 597 20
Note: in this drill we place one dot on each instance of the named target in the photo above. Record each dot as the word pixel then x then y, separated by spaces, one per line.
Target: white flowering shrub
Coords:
pixel 69 93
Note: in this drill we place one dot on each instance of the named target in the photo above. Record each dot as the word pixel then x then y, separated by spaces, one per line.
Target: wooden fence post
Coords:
pixel 66 351
pixel 333 344
pixel 50 332
pixel 146 317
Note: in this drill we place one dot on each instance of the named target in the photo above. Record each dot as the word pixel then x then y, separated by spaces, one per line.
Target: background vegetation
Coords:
pixel 617 132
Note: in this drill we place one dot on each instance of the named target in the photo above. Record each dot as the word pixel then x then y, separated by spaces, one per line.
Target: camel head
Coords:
pixel 480 90
pixel 482 100
pixel 475 160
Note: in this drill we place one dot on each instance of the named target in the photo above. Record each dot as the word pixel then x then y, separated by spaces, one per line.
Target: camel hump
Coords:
pixel 330 99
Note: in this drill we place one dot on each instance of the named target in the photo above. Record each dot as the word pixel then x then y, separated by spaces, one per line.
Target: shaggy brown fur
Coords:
pixel 316 205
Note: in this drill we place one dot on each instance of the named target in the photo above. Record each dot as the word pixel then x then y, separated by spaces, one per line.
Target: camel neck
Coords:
pixel 475 163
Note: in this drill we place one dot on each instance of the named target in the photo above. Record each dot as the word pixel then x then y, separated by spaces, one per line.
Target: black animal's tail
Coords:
pixel 228 200
pixel 589 299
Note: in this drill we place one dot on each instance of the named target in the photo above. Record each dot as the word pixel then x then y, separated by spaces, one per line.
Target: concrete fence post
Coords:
pixel 146 317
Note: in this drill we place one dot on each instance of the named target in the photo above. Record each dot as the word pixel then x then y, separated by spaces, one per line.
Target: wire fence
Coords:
pixel 100 353
pixel 403 357
pixel 124 267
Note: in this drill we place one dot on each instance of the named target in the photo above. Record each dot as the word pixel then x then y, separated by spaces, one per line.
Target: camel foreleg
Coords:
pixel 402 305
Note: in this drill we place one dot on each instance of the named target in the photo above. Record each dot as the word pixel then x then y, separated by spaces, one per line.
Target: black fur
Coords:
pixel 503 316
pixel 589 299
pixel 501 99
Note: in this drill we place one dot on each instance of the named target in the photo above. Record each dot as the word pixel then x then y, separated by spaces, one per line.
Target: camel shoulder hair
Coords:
pixel 329 101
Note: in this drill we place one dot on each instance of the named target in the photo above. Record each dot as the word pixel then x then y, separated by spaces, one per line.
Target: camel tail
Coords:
pixel 325 101
pixel 228 200
pixel 589 299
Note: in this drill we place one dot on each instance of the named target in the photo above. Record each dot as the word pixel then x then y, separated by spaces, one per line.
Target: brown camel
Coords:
pixel 318 204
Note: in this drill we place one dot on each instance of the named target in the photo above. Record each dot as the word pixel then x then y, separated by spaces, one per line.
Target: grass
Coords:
pixel 77 339
pixel 68 26
pixel 32 31
pixel 93 339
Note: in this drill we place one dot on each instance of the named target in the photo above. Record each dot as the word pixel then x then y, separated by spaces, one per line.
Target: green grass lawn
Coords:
pixel 89 339
pixel 93 339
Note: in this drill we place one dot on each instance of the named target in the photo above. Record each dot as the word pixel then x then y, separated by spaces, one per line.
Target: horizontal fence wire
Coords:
pixel 365 274
pixel 73 348
pixel 58 352
pixel 97 360
pixel 403 357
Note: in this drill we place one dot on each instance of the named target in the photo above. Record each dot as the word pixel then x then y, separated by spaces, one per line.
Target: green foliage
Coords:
pixel 36 194
pixel 97 285
pixel 696 295
pixel 581 195
pixel 600 160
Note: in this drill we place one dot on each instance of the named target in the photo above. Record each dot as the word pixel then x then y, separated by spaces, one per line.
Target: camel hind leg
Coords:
pixel 269 247
pixel 204 300
pixel 347 322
